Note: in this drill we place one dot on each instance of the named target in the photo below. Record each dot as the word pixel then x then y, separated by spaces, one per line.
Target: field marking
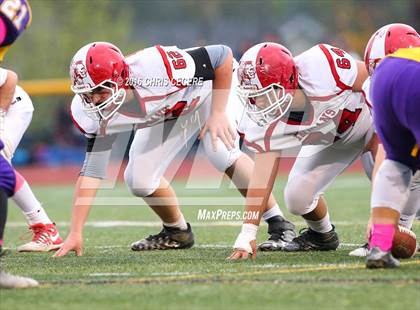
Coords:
pixel 109 274
pixel 212 246
pixel 112 224
pixel 179 277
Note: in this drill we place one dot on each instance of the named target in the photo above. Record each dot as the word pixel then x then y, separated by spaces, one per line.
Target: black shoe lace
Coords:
pixel 303 233
pixel 158 236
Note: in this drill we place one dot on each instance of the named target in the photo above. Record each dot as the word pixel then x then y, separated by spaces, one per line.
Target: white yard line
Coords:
pixel 109 274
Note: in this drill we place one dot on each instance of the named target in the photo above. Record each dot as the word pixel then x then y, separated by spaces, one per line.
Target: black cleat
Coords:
pixel 168 238
pixel 377 258
pixel 281 231
pixel 310 240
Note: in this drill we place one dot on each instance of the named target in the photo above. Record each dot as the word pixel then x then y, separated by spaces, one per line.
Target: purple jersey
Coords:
pixel 7 175
pixel 16 14
pixel 396 103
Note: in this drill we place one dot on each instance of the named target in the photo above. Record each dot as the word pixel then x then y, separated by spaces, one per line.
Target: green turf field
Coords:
pixel 111 276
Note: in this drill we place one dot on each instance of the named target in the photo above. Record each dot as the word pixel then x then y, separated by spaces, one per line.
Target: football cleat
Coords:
pixel 8 280
pixel 309 240
pixel 360 252
pixel 45 238
pixel 168 238
pixel 281 231
pixel 377 258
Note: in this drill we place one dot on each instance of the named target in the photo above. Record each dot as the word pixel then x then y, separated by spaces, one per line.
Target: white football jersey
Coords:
pixel 3 76
pixel 366 91
pixel 21 103
pixel 158 79
pixel 326 76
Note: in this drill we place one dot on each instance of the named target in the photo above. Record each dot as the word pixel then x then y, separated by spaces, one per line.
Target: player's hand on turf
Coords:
pixel 74 242
pixel 240 254
pixel 219 127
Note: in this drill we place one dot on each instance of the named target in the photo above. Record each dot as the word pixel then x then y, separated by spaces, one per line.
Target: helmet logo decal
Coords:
pixel 79 72
pixel 246 72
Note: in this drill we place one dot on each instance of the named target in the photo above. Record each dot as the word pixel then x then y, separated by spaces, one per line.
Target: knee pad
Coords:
pixel 298 201
pixel 140 185
pixel 222 159
pixel 391 188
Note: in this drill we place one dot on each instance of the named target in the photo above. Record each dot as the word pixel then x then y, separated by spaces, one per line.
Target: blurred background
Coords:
pixel 60 28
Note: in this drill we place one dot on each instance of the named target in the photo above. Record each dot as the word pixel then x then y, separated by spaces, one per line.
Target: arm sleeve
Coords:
pixel 217 54
pixel 97 156
pixel 207 59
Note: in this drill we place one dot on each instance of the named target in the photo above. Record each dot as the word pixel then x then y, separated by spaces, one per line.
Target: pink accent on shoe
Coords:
pixel 382 236
pixel 20 180
pixel 1 242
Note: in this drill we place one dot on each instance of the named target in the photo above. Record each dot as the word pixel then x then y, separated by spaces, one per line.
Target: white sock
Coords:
pixel 273 211
pixel 181 223
pixel 321 226
pixel 30 206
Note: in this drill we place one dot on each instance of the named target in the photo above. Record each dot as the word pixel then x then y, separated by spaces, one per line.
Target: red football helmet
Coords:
pixel 387 40
pixel 268 79
pixel 99 65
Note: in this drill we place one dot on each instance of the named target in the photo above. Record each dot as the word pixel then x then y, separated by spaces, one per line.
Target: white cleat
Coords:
pixel 8 280
pixel 45 238
pixel 360 252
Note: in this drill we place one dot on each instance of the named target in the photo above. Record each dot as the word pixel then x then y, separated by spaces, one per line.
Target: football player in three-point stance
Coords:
pixel 153 93
pixel 387 40
pixel 312 102
pixel 12 23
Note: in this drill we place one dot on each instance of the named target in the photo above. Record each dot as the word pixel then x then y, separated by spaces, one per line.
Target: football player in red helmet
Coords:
pixel 148 92
pixel 99 74
pixel 311 103
pixel 387 40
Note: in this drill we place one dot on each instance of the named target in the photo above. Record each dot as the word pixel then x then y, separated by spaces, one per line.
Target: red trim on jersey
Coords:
pixel 76 123
pixel 165 61
pixel 142 103
pixel 325 98
pixel 253 145
pixel 334 72
pixel 249 143
pixel 168 66
pixel 366 100
pixel 268 134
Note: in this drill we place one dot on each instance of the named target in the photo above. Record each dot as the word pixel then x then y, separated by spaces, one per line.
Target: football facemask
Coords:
pixel 107 108
pixel 267 105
